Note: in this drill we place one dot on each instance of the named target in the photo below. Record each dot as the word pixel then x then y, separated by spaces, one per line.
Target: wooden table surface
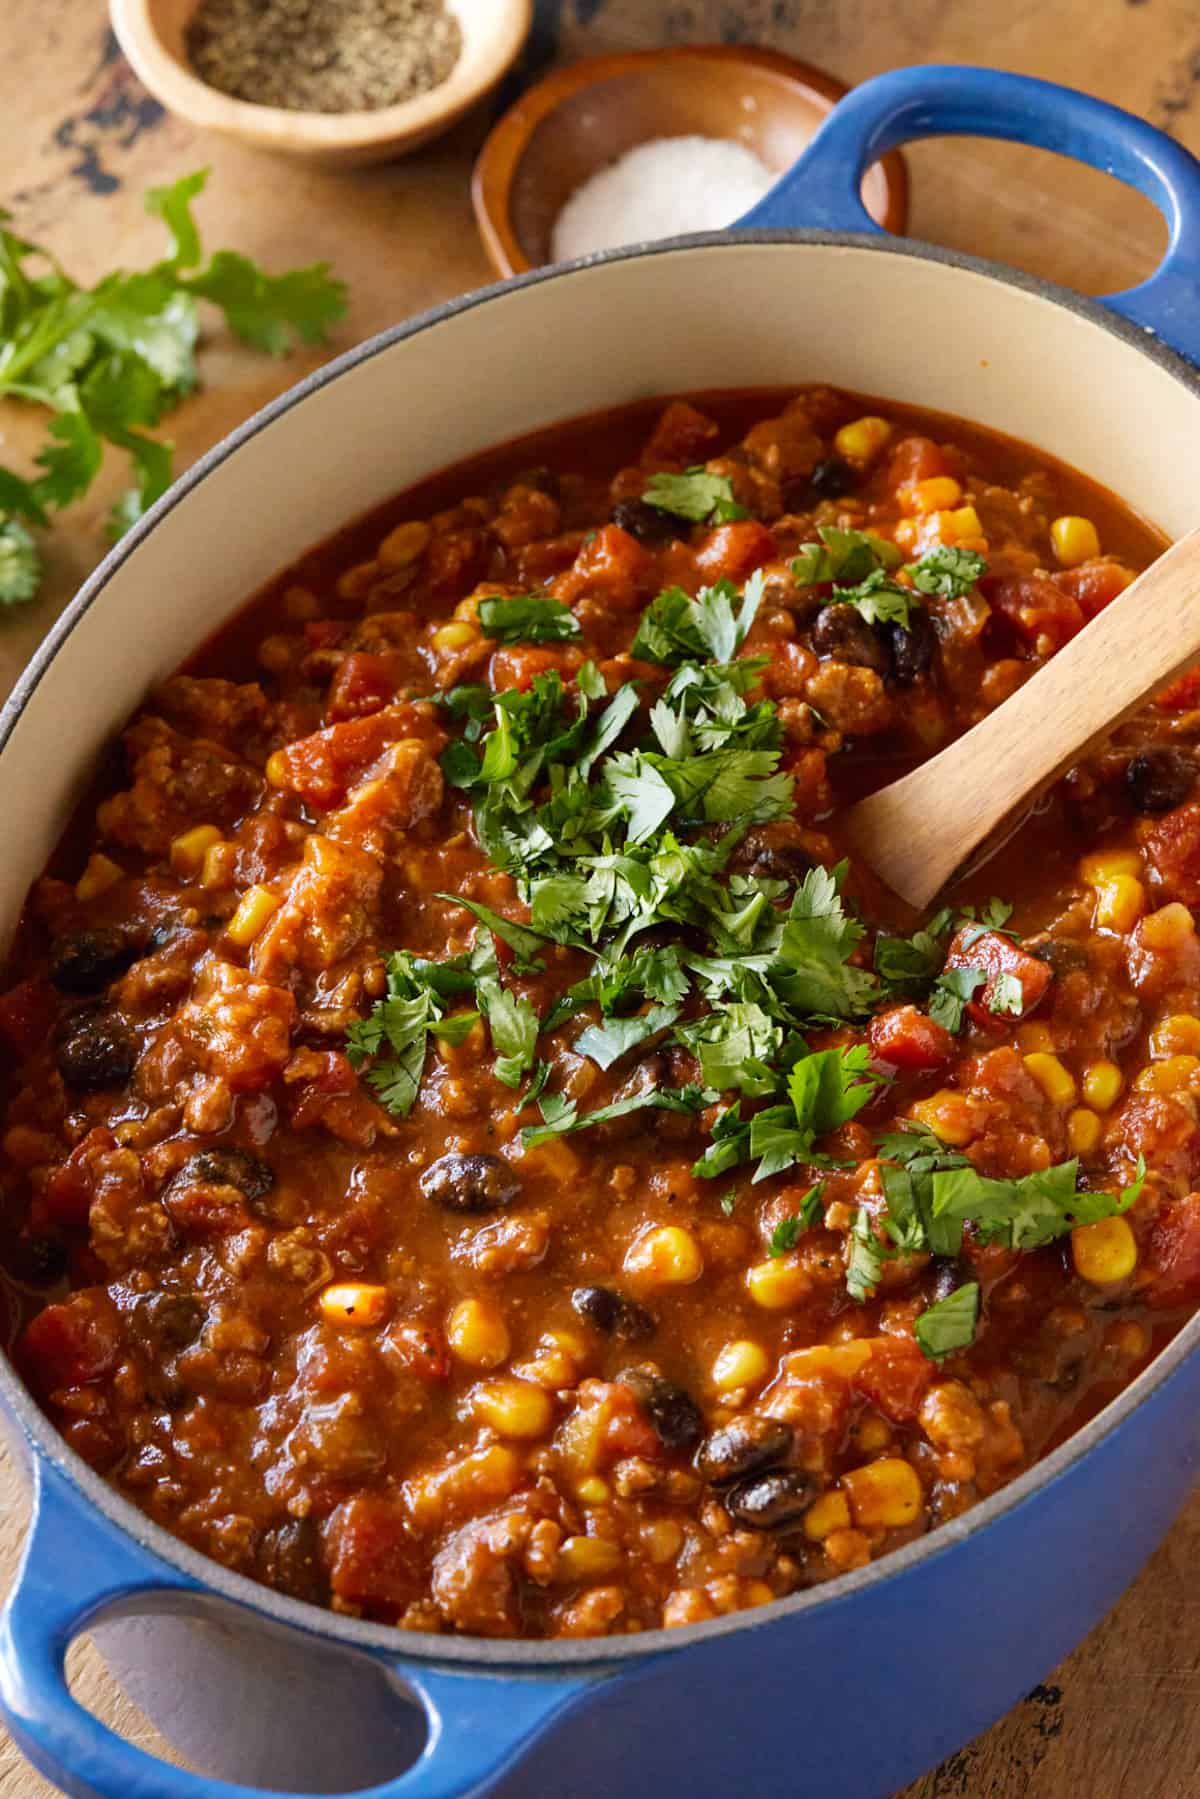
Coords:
pixel 79 141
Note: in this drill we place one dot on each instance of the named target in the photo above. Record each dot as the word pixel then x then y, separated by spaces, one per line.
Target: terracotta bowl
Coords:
pixel 583 117
pixel 151 33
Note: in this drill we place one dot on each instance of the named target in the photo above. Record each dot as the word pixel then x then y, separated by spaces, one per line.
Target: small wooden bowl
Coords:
pixel 151 33
pixel 583 117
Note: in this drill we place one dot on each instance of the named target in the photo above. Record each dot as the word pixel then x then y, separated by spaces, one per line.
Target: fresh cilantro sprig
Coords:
pixel 675 629
pixel 395 1037
pixel 527 618
pixel 860 568
pixel 110 361
pixel 950 1323
pixel 695 495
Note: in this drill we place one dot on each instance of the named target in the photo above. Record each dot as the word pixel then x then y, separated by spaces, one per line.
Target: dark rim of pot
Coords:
pixel 596 1654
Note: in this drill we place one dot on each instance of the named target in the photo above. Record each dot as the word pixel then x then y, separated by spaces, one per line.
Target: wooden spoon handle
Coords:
pixel 919 830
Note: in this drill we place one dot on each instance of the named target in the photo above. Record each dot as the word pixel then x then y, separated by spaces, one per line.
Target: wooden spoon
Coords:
pixel 918 831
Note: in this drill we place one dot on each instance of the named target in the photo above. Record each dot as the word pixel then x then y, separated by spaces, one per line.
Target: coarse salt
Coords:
pixel 659 189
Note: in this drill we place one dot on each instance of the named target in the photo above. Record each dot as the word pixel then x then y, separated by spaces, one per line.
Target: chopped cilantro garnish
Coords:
pixel 1007 995
pixel 952 991
pixel 694 495
pixel 562 1119
pixel 396 1034
pixel 675 628
pixel 864 1266
pixel 20 564
pixel 950 1324
pixel 527 618
pixel 845 556
pixel 947 572
pixel 606 1043
pixel 784 1236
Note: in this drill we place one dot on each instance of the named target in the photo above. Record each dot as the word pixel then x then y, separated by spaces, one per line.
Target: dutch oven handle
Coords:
pixel 945 100
pixel 78 1566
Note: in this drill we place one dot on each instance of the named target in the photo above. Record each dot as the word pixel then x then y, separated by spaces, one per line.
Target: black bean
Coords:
pixel 87 961
pixel 289 1559
pixel 477 1183
pixel 649 524
pixel 164 1321
pixel 543 479
pixel 773 852
pixel 95 1050
pixel 613 1313
pixel 222 1167
pixel 744 1446
pixel 674 1415
pixel 770 1501
pixel 912 650
pixel 1159 780
pixel 38 1261
pixel 841 633
pixel 948 1275
pixel 1061 954
pixel 832 478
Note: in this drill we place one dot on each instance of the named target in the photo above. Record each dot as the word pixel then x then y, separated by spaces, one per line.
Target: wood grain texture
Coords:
pixel 917 831
pixel 78 143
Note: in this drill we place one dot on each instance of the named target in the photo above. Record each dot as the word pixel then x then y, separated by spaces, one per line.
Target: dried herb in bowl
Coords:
pixel 324 55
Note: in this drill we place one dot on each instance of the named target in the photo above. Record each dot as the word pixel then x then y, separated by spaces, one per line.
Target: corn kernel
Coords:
pixel 1055 1081
pixel 1031 1037
pixel 1172 1075
pixel 277 769
pixel 1119 904
pixel 513 1408
pixel 1106 865
pixel 956 526
pixel 848 1549
pixel 100 874
pixel 468 609
pixel 1083 1131
pixel 778 1283
pixel 1075 540
pixel 872 1435
pixel 586 1558
pixel 862 440
pixel 1169 928
pixel 1104 1252
pixel 1101 1085
pixel 355 583
pixel 477 1333
pixel 1127 1338
pixel 665 1256
pixel 253 910
pixel 884 1494
pixel 1177 1034
pixel 404 545
pixel 217 868
pixel 756 1592
pixel 594 1491
pixel 455 636
pixel 828 1513
pixel 947 1115
pixel 187 850
pixel 940 493
pixel 354 1302
pixel 740 1364
pixel 299 604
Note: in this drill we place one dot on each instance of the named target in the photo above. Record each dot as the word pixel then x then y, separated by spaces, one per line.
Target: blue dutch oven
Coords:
pixel 850 1689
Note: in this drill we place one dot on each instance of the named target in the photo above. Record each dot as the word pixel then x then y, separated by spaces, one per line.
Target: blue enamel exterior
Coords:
pixel 860 1692
pixel 944 100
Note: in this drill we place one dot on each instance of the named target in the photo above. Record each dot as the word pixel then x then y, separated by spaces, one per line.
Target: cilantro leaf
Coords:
pixel 514 1027
pixel 849 556
pixel 784 1236
pixel 674 628
pixel 1027 1212
pixel 605 1043
pixel 564 1120
pixel 879 600
pixel 864 1268
pixel 527 618
pixel 831 1087
pixel 950 1324
pixel 817 941
pixel 946 571
pixel 1007 995
pixel 695 495
pixel 173 206
pixel 528 944
pixel 953 990
pixel 735 1047
pixel 20 565
pixel 269 311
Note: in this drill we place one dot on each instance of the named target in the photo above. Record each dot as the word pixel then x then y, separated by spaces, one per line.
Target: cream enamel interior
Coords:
pixel 731 313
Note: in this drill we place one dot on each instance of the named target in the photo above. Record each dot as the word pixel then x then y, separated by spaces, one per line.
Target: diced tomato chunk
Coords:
pixel 998 955
pixel 26 1014
pixel 1037 608
pixel 1173 1252
pixel 734 551
pixel 790 669
pixel 323 767
pixel 1181 695
pixel 679 436
pixel 612 566
pixel 914 459
pixel 894 1378
pixel 520 665
pixel 71 1344
pixel 323 633
pixel 1172 844
pixel 371 1552
pixel 1095 584
pixel 908 1039
pixel 419 1348
pixel 71 1187
pixel 363 684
